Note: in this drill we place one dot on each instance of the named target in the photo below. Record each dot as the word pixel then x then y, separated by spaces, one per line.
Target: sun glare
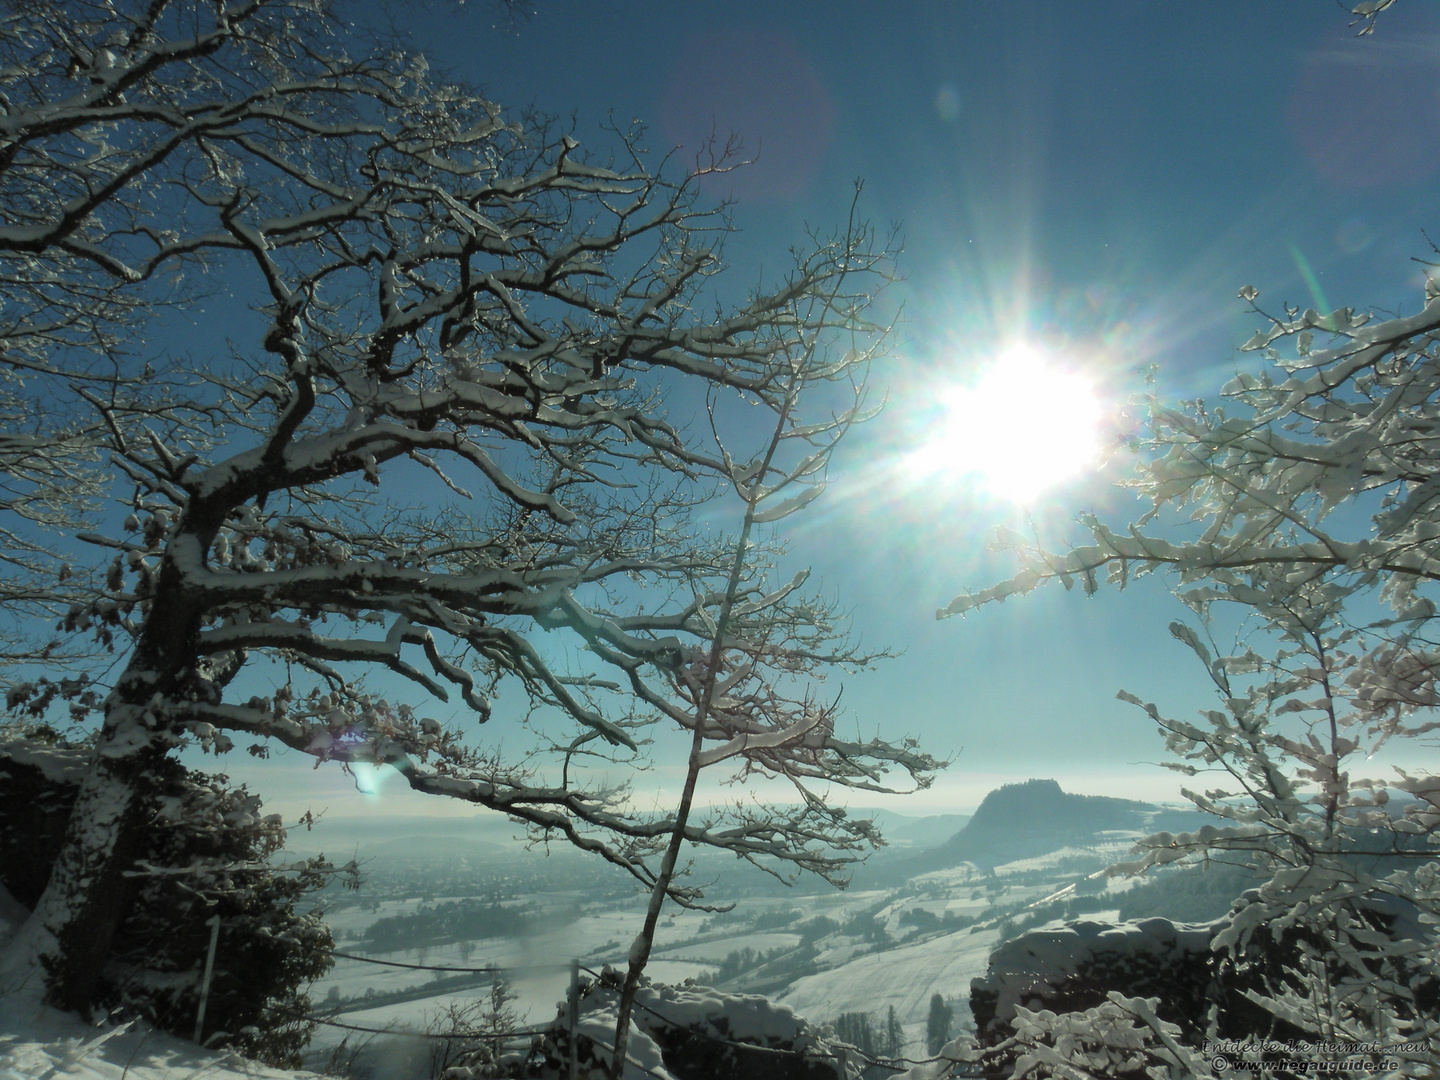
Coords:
pixel 1025 424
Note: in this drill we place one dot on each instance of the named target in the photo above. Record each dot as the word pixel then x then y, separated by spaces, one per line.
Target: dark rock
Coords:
pixel 1071 968
pixel 1201 987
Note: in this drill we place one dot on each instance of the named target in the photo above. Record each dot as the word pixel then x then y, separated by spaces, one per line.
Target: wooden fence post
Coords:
pixel 214 923
pixel 574 1018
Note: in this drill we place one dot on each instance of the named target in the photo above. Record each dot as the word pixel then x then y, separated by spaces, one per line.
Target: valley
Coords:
pixel 920 918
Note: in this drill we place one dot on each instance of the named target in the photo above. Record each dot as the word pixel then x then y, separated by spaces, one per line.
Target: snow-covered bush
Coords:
pixel 1092 1000
pixel 1132 994
pixel 1121 1037
pixel 210 852
pixel 1074 967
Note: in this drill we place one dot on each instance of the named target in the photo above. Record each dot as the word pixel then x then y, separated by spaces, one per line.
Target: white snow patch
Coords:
pixel 38 1043
pixel 1100 854
pixel 12 914
pixel 906 977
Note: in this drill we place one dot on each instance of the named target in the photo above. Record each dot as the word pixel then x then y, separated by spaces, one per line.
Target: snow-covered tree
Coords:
pixel 938 1024
pixel 450 418
pixel 209 854
pixel 739 698
pixel 1312 490
pixel 894 1034
pixel 473 1030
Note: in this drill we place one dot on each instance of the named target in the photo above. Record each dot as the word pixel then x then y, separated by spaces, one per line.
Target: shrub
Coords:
pixel 209 852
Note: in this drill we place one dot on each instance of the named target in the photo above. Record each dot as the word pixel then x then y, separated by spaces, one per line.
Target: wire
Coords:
pixel 478 1036
pixel 889 1063
pixel 417 967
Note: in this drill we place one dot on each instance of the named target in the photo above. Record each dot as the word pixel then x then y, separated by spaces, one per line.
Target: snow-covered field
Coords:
pixel 714 951
pixel 857 975
pixel 858 979
pixel 1111 852
pixel 905 977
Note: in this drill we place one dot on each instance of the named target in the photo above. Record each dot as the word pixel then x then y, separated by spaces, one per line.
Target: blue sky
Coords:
pixel 1102 178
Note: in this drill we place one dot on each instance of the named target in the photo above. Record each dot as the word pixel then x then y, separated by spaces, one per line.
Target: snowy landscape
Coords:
pixel 820 952
pixel 868 957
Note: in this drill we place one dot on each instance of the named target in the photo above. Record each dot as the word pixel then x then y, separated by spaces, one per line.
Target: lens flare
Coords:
pixel 1027 423
pixel 369 779
pixel 1307 274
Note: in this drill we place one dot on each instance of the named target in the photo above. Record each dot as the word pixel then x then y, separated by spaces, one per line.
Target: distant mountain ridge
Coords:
pixel 1021 821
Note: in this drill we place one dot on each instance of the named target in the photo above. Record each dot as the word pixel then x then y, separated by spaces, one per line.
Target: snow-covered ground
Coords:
pixel 37 1043
pixel 855 977
pixel 905 977
pixel 537 965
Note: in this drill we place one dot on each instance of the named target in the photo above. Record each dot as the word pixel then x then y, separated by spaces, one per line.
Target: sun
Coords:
pixel 1027 422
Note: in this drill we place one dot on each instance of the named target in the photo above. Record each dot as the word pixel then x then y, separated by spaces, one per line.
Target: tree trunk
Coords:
pixel 645 940
pixel 89 894
pixel 65 943
pixel 67 939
